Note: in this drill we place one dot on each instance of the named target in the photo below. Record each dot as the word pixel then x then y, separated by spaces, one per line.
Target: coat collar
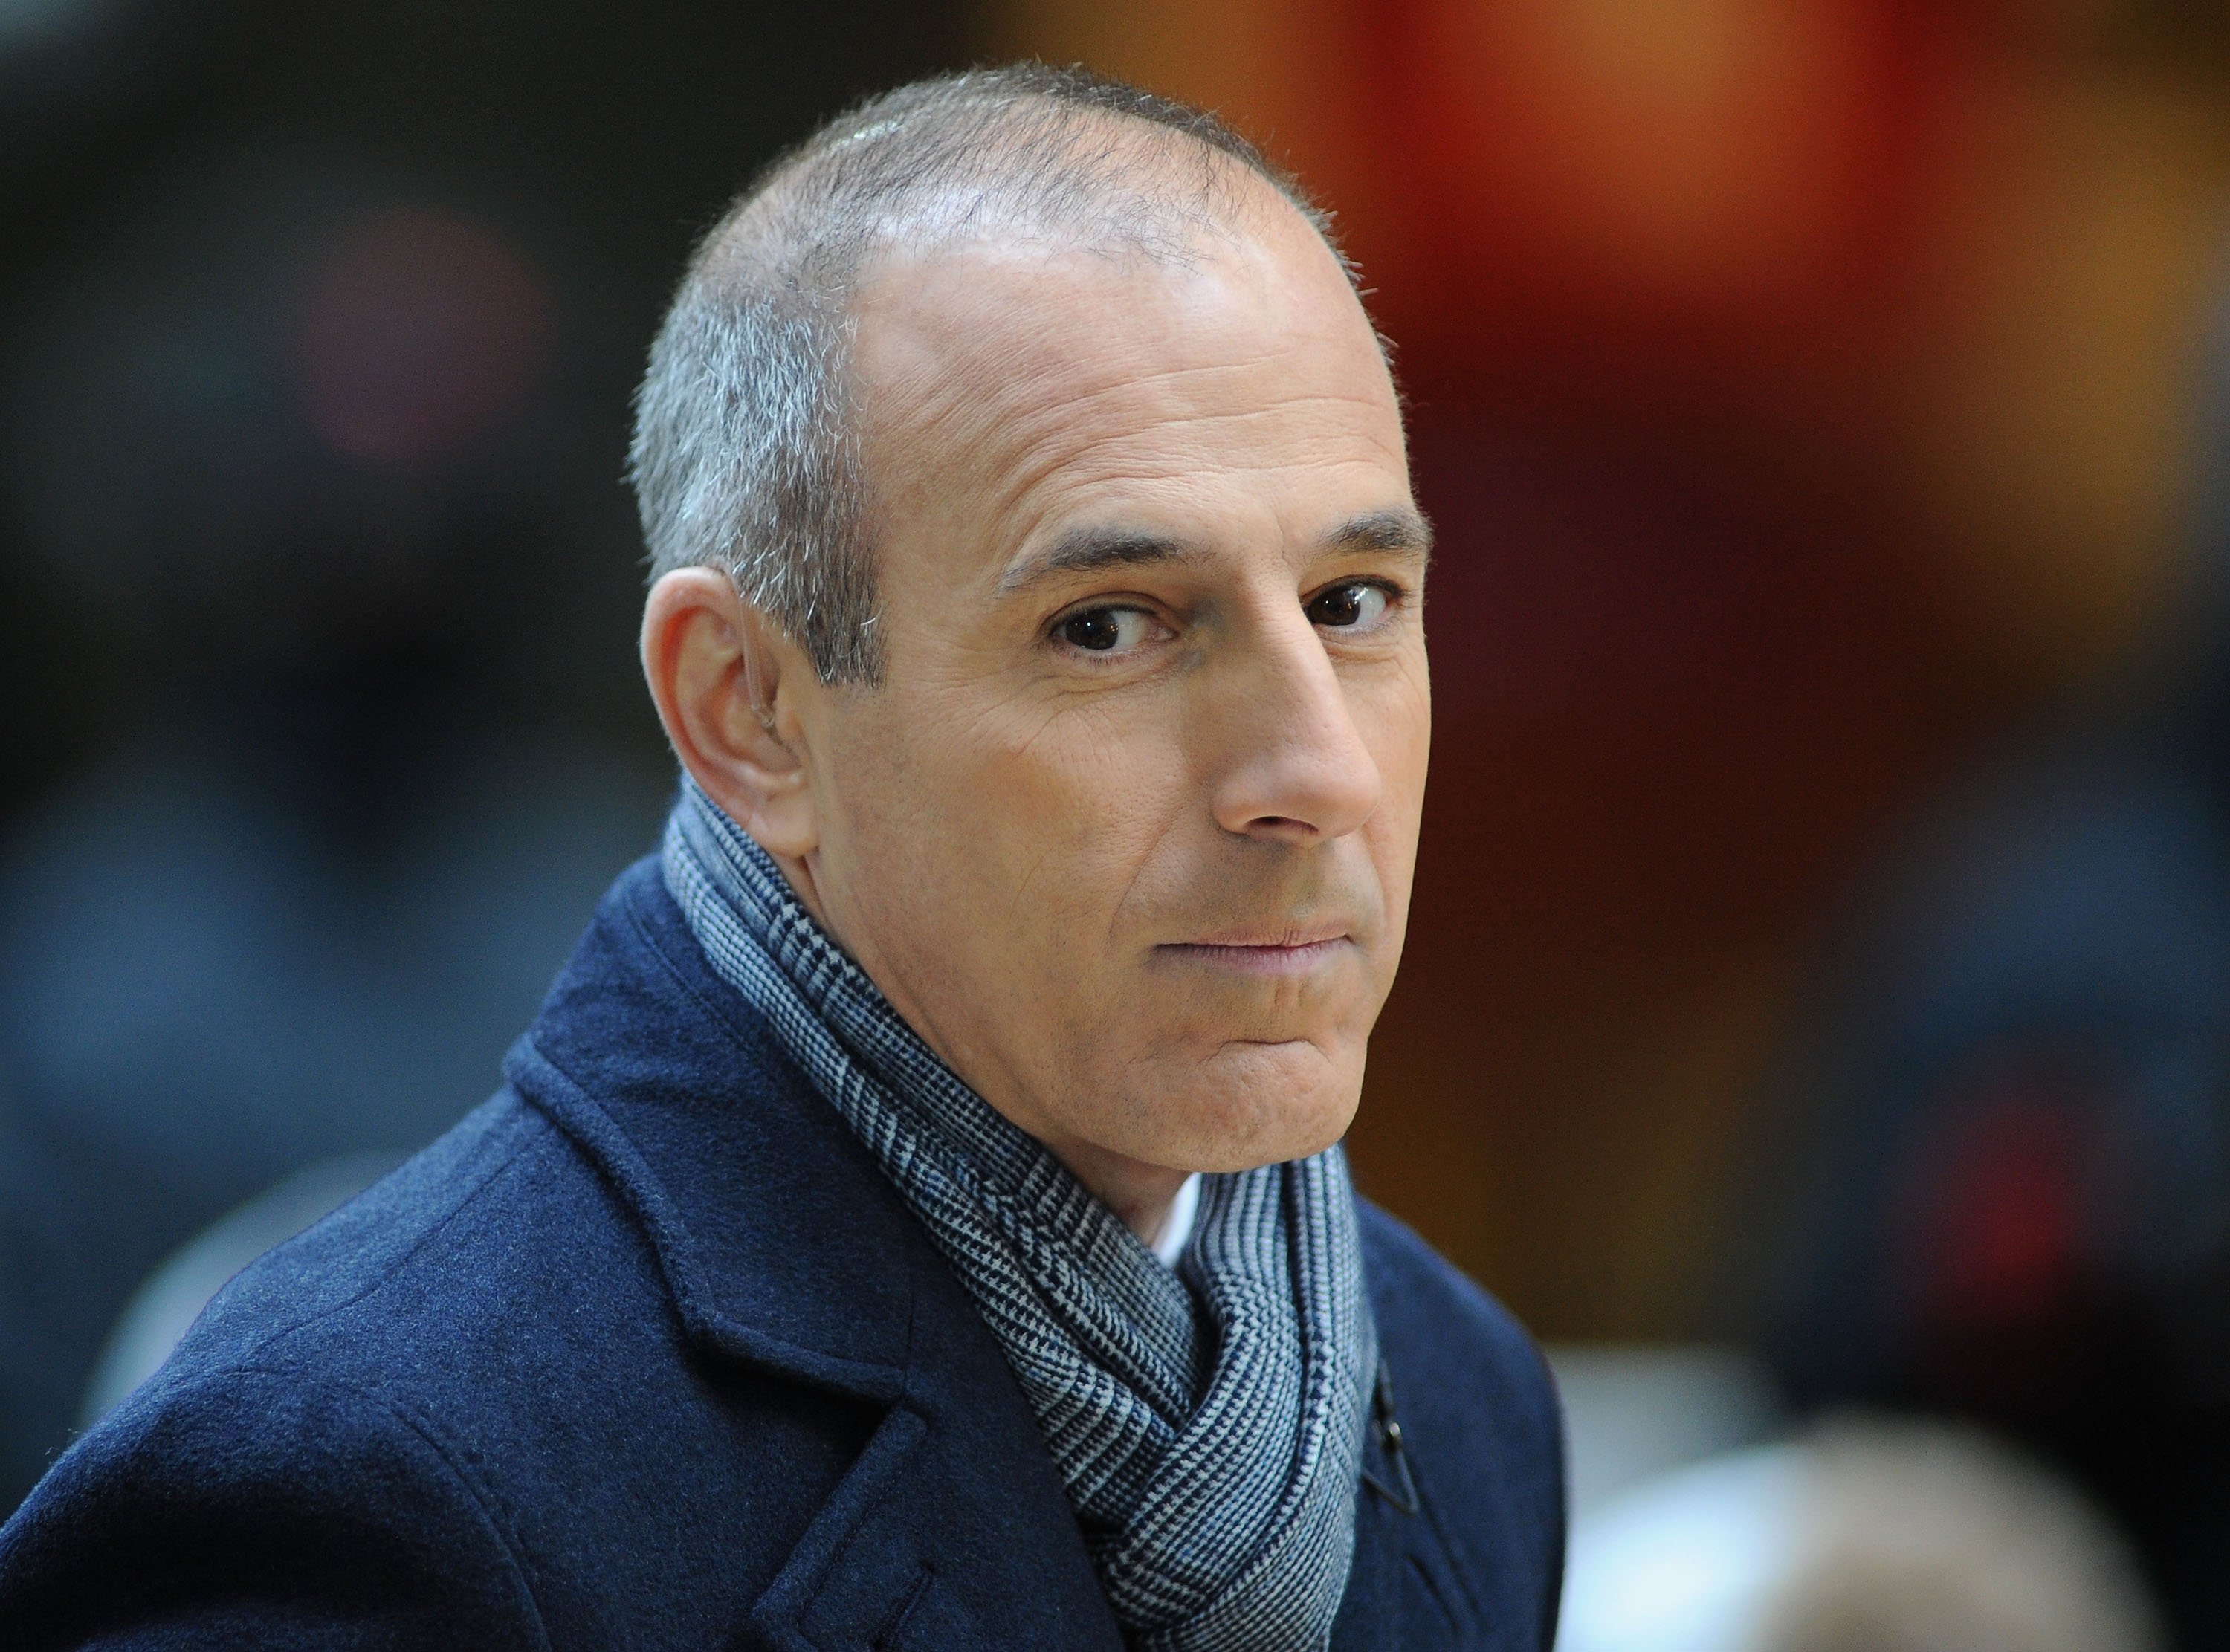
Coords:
pixel 778 1237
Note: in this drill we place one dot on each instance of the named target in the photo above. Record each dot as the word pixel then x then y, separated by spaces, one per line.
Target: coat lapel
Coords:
pixel 951 1530
pixel 783 1247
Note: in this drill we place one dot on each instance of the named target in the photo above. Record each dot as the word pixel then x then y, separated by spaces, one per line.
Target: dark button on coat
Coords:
pixel 646 1354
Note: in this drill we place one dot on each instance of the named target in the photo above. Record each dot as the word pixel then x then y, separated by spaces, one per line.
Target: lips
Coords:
pixel 1284 956
pixel 1266 939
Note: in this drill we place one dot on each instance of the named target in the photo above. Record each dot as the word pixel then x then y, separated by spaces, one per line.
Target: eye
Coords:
pixel 1356 605
pixel 1107 630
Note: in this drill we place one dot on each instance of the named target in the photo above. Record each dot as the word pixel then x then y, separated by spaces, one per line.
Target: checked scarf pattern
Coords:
pixel 1207 1422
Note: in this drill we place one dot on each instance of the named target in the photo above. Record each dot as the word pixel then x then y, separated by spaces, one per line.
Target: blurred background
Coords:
pixel 1818 997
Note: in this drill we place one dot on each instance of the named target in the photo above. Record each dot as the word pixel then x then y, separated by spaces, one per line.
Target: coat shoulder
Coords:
pixel 446 1399
pixel 1482 1426
pixel 297 1463
pixel 492 1252
pixel 253 1505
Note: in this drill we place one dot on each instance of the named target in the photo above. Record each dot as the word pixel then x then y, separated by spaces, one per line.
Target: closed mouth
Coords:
pixel 1280 957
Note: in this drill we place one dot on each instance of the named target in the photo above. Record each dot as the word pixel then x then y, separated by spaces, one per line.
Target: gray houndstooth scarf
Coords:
pixel 1209 1422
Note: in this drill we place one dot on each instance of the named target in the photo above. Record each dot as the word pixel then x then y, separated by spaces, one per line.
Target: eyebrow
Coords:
pixel 1085 550
pixel 1397 531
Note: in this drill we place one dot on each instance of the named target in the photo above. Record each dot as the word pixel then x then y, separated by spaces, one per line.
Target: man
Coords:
pixel 917 1219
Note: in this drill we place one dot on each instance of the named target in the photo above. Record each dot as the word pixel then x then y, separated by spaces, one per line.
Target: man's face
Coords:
pixel 1127 830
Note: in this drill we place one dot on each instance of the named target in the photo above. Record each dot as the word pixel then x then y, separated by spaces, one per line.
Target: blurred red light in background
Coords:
pixel 1562 175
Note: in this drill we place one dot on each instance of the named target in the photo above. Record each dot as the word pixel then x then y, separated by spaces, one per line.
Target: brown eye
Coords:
pixel 1098 630
pixel 1346 607
pixel 1108 631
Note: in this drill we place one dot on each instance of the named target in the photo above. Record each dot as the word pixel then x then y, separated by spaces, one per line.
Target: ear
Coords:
pixel 728 684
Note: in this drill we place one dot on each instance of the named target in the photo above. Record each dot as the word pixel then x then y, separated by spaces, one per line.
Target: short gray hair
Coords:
pixel 745 455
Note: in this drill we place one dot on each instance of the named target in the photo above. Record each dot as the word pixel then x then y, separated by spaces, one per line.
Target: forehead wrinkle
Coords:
pixel 1031 486
pixel 1093 459
pixel 1050 438
pixel 1106 378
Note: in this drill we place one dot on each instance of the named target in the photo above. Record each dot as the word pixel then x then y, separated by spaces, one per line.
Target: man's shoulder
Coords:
pixel 491 1230
pixel 452 1299
pixel 473 1379
pixel 311 1433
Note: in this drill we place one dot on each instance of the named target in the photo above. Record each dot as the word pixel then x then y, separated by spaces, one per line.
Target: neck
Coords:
pixel 1142 1194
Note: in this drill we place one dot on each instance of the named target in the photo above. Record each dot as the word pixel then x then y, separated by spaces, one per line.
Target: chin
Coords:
pixel 1255 1104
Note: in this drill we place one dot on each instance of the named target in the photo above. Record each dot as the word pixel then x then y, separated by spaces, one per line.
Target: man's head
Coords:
pixel 1038 581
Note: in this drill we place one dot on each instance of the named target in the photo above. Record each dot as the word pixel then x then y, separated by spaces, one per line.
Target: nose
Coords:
pixel 1298 770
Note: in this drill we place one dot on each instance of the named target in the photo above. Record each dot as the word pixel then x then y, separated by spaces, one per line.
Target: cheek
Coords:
pixel 1077 808
pixel 1037 822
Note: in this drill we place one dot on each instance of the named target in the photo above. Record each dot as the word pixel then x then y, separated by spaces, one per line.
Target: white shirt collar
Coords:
pixel 1177 1229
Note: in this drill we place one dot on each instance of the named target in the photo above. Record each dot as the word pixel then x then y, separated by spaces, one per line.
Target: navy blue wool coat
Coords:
pixel 646 1354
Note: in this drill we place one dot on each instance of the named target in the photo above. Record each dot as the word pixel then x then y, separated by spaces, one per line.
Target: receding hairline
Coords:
pixel 1222 193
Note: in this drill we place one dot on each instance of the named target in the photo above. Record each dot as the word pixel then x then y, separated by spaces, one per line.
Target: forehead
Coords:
pixel 1005 382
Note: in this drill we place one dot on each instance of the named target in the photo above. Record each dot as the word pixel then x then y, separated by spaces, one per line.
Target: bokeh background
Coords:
pixel 1816 993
